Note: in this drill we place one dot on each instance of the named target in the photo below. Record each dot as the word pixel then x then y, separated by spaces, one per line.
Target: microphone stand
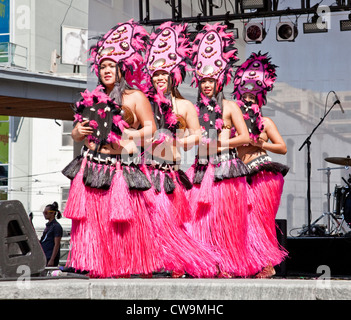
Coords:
pixel 308 143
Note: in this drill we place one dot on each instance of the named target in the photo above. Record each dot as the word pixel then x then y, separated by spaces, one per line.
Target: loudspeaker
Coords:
pixel 308 254
pixel 19 245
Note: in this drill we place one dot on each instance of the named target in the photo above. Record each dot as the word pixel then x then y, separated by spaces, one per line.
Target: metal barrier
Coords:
pixel 65 241
pixel 13 55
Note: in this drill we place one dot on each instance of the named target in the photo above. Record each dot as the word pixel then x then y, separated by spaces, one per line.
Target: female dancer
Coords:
pixel 219 192
pixel 178 127
pixel 112 234
pixel 265 182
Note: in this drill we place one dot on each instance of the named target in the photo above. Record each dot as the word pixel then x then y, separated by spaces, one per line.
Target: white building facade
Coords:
pixel 39 148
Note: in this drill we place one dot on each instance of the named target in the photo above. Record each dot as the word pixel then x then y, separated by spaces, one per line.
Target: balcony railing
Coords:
pixel 13 55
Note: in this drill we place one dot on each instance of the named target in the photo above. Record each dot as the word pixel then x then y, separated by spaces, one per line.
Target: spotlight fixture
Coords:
pixel 315 26
pixel 286 31
pixel 345 25
pixel 235 32
pixel 252 4
pixel 254 32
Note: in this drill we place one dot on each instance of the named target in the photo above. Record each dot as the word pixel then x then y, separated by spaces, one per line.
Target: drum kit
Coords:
pixel 341 199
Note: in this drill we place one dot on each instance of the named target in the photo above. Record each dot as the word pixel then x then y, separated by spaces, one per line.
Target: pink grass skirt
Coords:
pixel 112 234
pixel 171 212
pixel 264 194
pixel 220 212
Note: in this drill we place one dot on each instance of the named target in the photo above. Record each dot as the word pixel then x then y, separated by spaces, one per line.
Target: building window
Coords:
pixel 338 115
pixel 67 140
pixel 64 197
pixel 293 106
pixel 290 144
pixel 290 209
pixel 342 128
pixel 317 111
pixel 268 112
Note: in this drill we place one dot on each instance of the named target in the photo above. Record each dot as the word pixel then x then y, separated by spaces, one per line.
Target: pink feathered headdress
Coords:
pixel 169 50
pixel 124 44
pixel 214 55
pixel 257 76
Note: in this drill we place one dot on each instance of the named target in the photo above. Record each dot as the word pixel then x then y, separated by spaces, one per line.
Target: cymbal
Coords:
pixel 339 160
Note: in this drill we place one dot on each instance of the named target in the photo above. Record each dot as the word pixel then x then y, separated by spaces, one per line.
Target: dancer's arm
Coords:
pixel 140 105
pixel 57 244
pixel 276 143
pixel 192 124
pixel 242 134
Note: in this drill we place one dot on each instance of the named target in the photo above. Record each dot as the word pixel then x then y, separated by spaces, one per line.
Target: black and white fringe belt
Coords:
pixel 111 159
pixel 226 164
pixel 155 165
pixel 161 164
pixel 265 163
pixel 100 169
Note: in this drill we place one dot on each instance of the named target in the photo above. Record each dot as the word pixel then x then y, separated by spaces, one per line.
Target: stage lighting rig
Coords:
pixel 254 32
pixel 252 4
pixel 286 31
pixel 316 25
pixel 199 26
pixel 229 24
pixel 345 25
pixel 231 27
pixel 247 10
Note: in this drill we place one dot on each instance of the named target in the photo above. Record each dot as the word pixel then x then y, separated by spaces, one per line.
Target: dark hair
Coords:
pixel 174 89
pixel 54 207
pixel 120 86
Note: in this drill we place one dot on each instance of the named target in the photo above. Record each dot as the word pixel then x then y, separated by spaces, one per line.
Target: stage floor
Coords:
pixel 177 289
pixel 318 268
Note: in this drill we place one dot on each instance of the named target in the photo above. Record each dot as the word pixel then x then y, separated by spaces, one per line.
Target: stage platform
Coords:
pixel 318 268
pixel 177 289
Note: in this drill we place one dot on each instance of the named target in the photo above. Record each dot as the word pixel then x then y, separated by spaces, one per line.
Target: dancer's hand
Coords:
pixel 81 130
pixel 258 143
